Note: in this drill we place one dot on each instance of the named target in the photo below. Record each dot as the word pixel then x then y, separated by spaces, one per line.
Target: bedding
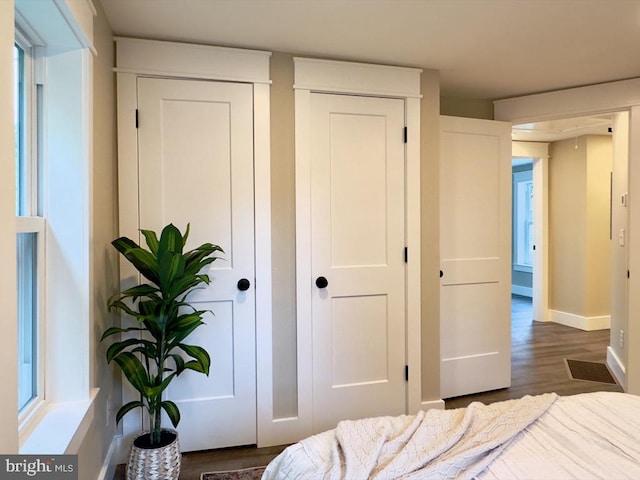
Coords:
pixel 545 437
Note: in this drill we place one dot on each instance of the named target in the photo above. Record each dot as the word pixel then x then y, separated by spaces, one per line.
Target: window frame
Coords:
pixel 63 53
pixel 521 177
pixel 29 217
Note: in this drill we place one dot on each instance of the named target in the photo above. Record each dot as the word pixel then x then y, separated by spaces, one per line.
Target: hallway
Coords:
pixel 538 351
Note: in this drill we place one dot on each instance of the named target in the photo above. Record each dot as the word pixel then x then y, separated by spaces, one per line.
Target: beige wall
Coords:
pixel 430 212
pixel 579 247
pixel 104 261
pixel 8 323
pixel 619 221
pixel 466 107
pixel 283 237
pixel 598 242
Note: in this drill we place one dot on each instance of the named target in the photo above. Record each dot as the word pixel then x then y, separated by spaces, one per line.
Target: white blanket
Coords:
pixel 581 437
pixel 438 444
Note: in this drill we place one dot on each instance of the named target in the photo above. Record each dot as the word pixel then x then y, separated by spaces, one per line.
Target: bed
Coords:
pixel 543 437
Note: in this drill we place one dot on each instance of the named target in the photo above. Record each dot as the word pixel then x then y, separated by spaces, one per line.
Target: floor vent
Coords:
pixel 589 371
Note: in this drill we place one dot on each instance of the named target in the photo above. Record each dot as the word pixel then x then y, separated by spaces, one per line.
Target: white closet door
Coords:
pixel 357 243
pixel 475 253
pixel 196 166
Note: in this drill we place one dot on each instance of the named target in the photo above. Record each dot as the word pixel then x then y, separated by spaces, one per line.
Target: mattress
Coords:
pixel 546 437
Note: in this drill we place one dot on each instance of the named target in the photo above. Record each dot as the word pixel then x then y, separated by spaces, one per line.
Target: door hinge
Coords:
pixel 406 373
pixel 406 134
pixel 627 273
pixel 406 254
pixel 136 118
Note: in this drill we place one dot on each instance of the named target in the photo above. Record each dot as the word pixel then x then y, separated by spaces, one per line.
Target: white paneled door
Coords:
pixel 196 166
pixel 475 255
pixel 357 244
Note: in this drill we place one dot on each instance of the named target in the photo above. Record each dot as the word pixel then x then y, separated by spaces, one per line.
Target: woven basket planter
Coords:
pixel 161 463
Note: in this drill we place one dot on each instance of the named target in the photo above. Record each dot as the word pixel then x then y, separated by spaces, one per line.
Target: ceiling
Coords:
pixel 484 49
pixel 561 129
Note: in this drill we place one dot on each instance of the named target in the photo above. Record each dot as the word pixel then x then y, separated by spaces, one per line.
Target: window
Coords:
pixel 30 228
pixel 53 78
pixel 523 220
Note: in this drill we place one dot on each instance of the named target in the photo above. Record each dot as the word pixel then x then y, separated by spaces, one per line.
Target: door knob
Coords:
pixel 243 284
pixel 441 274
pixel 321 282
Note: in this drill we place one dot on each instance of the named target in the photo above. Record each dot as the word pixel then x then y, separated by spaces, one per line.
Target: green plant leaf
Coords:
pixel 172 412
pixel 134 371
pixel 183 326
pixel 124 244
pixel 114 330
pixel 118 347
pixel 186 235
pixel 202 360
pixel 171 270
pixel 170 240
pixel 145 262
pixel 143 290
pixel 179 363
pixel 126 408
pixel 152 240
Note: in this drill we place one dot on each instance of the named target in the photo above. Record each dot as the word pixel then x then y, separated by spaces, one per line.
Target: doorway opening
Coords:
pixel 579 254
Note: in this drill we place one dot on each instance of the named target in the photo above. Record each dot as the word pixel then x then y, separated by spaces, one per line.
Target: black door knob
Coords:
pixel 441 274
pixel 321 282
pixel 243 284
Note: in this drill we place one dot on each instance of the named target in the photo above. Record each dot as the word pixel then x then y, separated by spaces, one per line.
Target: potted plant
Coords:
pixel 158 354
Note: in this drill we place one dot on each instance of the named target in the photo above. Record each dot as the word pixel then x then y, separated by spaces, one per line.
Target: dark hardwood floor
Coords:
pixel 537 358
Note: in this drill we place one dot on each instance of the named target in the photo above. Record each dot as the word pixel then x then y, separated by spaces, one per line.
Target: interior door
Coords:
pixel 357 228
pixel 196 166
pixel 475 255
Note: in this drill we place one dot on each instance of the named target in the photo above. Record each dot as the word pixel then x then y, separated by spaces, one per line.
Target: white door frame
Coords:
pixel 150 58
pixel 539 152
pixel 357 79
pixel 609 97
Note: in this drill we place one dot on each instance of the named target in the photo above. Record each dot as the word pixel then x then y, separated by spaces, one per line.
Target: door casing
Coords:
pixel 313 75
pixel 150 58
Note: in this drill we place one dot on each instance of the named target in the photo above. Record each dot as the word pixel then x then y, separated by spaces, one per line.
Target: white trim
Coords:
pixel 589 100
pixel 616 367
pixel 433 404
pixel 364 79
pixel 303 421
pixel 61 427
pixel 108 469
pixel 357 78
pixel 137 58
pixel 186 60
pixel 521 290
pixel 633 251
pixel 413 276
pixel 79 14
pixel 602 322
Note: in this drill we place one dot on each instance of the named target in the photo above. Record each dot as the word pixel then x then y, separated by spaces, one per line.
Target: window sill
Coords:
pixel 60 428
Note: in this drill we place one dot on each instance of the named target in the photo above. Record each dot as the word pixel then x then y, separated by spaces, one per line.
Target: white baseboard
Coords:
pixel 437 404
pixel 520 290
pixel 617 367
pixel 108 469
pixel 578 321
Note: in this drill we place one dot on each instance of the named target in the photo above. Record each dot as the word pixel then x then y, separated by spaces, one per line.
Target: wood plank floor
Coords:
pixel 537 357
pixel 538 351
